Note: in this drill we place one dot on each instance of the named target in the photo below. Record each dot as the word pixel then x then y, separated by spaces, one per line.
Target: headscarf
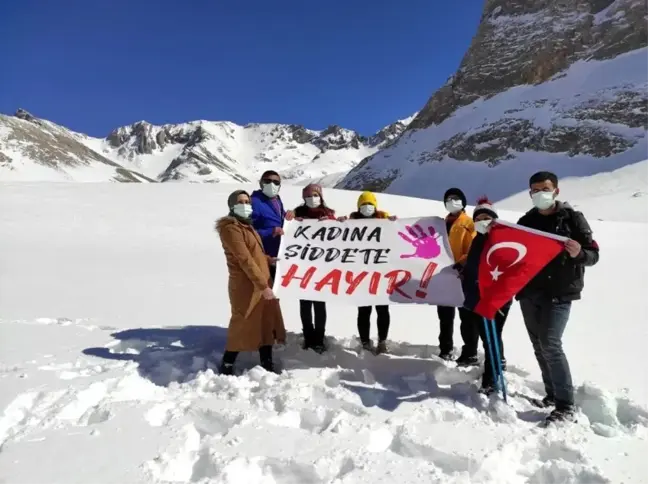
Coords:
pixel 233 200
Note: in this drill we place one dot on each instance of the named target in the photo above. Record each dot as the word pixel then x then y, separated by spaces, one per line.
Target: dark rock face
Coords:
pixel 529 41
pixel 522 44
pixel 495 144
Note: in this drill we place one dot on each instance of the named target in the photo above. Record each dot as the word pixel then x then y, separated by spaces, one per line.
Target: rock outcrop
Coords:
pixel 27 140
pixel 555 82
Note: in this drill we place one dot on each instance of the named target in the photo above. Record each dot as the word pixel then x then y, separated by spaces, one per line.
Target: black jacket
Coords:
pixel 470 274
pixel 563 278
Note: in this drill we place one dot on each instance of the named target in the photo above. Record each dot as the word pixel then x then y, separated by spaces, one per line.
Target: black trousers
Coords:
pixel 364 322
pixel 313 333
pixel 469 330
pixel 500 319
pixel 265 355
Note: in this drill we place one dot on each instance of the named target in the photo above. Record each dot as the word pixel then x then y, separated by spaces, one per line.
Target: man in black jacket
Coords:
pixel 546 300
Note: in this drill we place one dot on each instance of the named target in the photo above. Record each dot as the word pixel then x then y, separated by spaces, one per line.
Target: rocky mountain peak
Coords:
pixel 547 83
pixel 213 151
pixel 529 41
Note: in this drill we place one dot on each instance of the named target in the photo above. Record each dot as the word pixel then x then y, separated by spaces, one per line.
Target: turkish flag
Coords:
pixel 511 257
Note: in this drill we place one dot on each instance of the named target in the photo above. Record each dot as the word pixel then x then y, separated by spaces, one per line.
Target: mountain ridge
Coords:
pixel 195 151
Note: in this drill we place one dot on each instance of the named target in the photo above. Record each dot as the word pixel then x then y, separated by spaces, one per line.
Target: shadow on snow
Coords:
pixel 410 373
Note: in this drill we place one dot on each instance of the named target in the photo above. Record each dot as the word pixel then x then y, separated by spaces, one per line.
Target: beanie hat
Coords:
pixel 367 198
pixel 314 188
pixel 458 193
pixel 484 205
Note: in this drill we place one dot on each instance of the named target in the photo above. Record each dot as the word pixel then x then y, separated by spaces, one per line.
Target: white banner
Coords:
pixel 368 262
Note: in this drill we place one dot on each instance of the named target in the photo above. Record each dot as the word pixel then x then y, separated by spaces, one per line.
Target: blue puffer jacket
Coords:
pixel 265 218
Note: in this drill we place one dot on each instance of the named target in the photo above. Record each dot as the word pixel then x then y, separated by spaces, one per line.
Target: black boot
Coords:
pixel 265 355
pixel 562 413
pixel 446 355
pixel 226 369
pixel 546 402
pixel 467 361
pixel 227 363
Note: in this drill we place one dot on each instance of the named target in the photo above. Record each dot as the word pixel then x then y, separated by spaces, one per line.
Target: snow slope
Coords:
pixel 586 120
pixel 113 307
pixel 33 149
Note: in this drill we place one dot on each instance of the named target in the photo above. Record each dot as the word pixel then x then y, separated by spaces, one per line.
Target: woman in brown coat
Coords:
pixel 256 321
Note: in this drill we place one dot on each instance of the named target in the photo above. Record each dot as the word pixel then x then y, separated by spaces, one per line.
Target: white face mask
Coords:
pixel 543 200
pixel 270 190
pixel 454 206
pixel 367 210
pixel 313 202
pixel 482 226
pixel 243 210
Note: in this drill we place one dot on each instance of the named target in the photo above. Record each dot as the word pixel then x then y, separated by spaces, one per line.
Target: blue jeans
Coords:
pixel 545 320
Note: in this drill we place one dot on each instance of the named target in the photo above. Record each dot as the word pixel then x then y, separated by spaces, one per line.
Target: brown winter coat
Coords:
pixel 255 321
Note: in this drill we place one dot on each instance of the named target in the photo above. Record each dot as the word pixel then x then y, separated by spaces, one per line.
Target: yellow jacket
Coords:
pixel 460 237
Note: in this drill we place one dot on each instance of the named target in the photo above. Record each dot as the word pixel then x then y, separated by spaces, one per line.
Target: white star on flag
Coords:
pixel 495 273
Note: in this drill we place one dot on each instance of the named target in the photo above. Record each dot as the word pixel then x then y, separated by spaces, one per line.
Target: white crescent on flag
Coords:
pixel 521 252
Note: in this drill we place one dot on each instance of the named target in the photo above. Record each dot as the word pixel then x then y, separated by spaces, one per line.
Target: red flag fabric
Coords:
pixel 511 257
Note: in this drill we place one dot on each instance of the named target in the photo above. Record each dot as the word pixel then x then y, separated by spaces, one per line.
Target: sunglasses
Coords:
pixel 274 182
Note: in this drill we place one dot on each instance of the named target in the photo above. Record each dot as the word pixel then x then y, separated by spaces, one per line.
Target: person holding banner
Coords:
pixel 461 231
pixel 256 321
pixel 268 214
pixel 313 207
pixel 368 208
pixel 483 216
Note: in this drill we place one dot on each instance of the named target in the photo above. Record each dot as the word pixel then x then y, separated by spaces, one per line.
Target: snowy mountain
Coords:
pixel 544 85
pixel 35 149
pixel 199 151
pixel 113 315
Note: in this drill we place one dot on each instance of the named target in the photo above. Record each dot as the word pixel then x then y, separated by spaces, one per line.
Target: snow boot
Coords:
pixel 270 367
pixel 382 348
pixel 467 361
pixel 319 348
pixel 560 414
pixel 446 355
pixel 226 369
pixel 487 390
pixel 367 346
pixel 546 402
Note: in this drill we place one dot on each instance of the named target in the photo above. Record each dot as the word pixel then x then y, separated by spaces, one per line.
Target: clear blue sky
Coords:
pixel 93 65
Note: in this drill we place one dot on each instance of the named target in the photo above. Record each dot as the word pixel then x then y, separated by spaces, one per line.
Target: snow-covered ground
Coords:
pixel 114 308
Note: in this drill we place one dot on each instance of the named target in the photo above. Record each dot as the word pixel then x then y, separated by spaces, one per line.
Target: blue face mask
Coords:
pixel 243 210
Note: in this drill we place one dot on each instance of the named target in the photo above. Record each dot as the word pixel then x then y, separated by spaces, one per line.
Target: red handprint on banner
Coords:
pixel 426 245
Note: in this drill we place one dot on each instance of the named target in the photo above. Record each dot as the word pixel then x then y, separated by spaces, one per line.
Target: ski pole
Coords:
pixel 498 362
pixel 490 354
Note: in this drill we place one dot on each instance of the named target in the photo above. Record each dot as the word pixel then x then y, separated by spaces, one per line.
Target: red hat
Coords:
pixel 484 205
pixel 312 187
